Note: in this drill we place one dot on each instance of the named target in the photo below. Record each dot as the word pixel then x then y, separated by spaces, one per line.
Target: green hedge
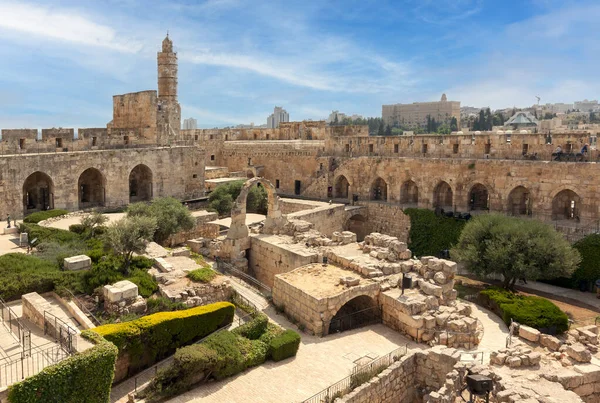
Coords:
pixel 153 337
pixel 430 234
pixel 35 218
pixel 536 312
pixel 21 274
pixel 284 346
pixel 253 329
pixel 82 377
pixel 48 234
pixel 223 354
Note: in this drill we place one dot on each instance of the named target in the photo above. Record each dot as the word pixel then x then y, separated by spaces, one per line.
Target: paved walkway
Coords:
pixel 495 332
pixel 567 294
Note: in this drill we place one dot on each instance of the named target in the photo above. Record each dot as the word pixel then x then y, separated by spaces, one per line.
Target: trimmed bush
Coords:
pixel 430 234
pixel 146 284
pixel 84 376
pixel 535 312
pixel 253 329
pixel 284 345
pixel 152 337
pixel 202 275
pixel 77 228
pixel 231 360
pixel 21 274
pixel 35 218
pixel 47 234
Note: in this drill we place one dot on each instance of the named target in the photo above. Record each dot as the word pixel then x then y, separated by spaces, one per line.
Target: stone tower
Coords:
pixel 168 118
pixel 167 71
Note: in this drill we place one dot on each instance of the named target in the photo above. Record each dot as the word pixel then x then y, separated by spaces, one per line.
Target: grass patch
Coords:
pixel 202 275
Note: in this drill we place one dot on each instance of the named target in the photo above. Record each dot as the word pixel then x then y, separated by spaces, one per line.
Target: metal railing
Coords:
pixel 359 375
pixel 11 321
pixel 83 308
pixel 61 332
pixel 20 366
pixel 226 268
pixel 511 330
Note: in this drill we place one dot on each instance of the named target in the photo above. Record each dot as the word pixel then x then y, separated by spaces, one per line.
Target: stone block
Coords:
pixel 579 353
pixel 550 342
pixel 590 337
pixel 163 265
pixel 513 362
pixel 439 278
pixel 535 358
pixel 180 252
pixel 119 291
pixel 79 262
pixel 11 230
pixel 430 289
pixel 529 333
pixel 195 245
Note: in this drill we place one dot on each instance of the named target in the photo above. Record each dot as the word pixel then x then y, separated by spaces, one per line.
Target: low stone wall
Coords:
pixel 408 379
pixel 271 255
pixel 326 219
pixel 288 206
pixel 74 310
pixel 34 306
pixel 205 230
pixel 387 219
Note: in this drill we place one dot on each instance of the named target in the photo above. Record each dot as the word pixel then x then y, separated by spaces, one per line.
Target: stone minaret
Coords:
pixel 167 71
pixel 168 120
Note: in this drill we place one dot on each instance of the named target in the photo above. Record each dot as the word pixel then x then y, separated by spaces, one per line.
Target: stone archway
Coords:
pixel 341 188
pixel 443 196
pixel 357 224
pixel 409 193
pixel 479 198
pixel 38 193
pixel 361 310
pixel 140 184
pixel 91 189
pixel 519 201
pixel 379 190
pixel 275 219
pixel 566 205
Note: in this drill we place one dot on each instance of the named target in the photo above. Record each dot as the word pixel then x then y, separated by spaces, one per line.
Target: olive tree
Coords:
pixel 514 248
pixel 130 235
pixel 170 215
pixel 92 221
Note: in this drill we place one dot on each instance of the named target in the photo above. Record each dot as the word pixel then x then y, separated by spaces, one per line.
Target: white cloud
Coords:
pixel 61 25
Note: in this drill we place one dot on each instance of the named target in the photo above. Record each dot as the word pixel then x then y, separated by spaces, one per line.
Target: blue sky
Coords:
pixel 61 61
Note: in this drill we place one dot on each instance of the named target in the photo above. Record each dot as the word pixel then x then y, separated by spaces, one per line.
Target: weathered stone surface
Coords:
pixel 579 353
pixel 529 333
pixel 550 342
pixel 79 262
pixel 430 289
pixel 121 290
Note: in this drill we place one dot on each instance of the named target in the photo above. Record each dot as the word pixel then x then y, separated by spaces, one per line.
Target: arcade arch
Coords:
pixel 442 196
pixel 409 193
pixel 379 190
pixel 38 193
pixel 140 184
pixel 91 188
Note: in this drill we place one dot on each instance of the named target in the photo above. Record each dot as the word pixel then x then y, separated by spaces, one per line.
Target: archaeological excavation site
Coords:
pixel 310 262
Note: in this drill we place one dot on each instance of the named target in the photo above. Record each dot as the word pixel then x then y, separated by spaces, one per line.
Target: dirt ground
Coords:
pixel 580 316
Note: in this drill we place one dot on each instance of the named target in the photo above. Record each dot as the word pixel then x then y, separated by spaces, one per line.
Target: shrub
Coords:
pixel 21 274
pixel 146 284
pixel 47 234
pixel 270 333
pixel 161 304
pixel 88 374
pixel 153 337
pixel 253 329
pixel 106 271
pixel 589 249
pixel 231 361
pixel 202 275
pixel 54 252
pixel 35 218
pixel 77 228
pixel 430 234
pixel 284 345
pixel 222 198
pixel 536 312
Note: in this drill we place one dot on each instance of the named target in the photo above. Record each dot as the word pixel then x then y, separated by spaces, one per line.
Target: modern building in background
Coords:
pixel 190 124
pixel 415 114
pixel 586 106
pixel 279 115
pixel 341 116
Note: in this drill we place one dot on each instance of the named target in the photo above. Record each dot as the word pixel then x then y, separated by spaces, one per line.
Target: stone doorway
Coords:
pixel 566 205
pixel 342 187
pixel 479 198
pixel 358 225
pixel 409 194
pixel 38 193
pixel 140 184
pixel 91 189
pixel 442 196
pixel 519 201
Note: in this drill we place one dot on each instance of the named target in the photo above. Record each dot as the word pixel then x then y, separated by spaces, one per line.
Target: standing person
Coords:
pixel 557 153
pixel 8 220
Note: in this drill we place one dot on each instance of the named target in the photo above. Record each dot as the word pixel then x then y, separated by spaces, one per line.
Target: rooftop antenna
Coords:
pixel 538 98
